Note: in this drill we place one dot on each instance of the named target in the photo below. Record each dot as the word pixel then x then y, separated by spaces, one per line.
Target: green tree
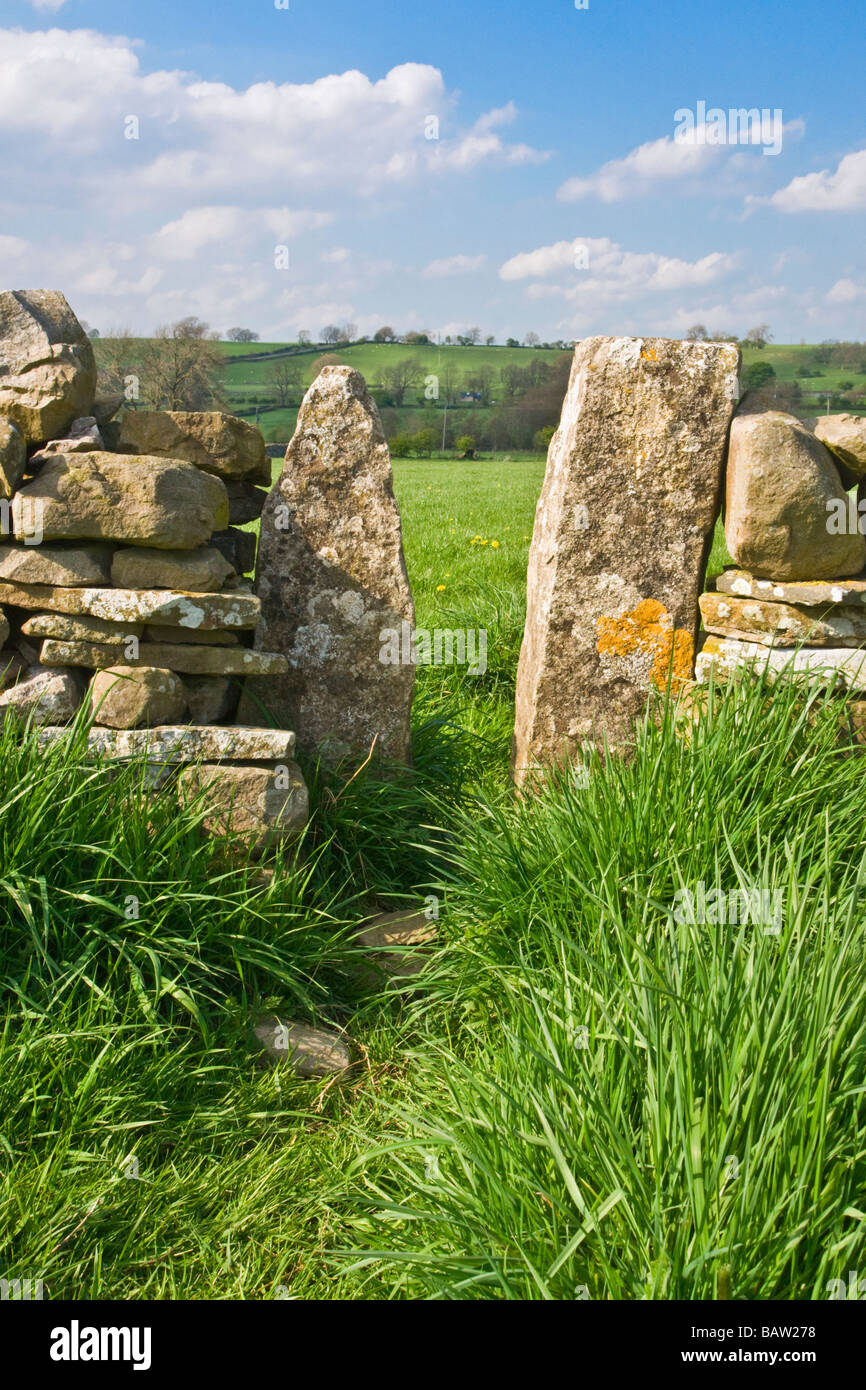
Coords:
pixel 756 375
pixel 424 442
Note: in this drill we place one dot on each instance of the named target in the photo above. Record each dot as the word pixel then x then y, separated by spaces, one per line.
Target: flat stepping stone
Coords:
pixel 722 657
pixel 185 743
pixel 806 591
pixel 391 939
pixel 170 607
pixel 193 660
pixel 310 1052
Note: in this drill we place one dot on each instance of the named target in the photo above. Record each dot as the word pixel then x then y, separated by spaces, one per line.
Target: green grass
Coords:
pixel 557 1106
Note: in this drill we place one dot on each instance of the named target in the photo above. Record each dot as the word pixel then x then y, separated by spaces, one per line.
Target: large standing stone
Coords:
pixel 622 530
pixel 264 805
pixel 217 443
pixel 64 566
pixel 140 567
pixel 126 697
pixel 47 369
pixel 782 485
pixel 13 456
pixel 845 437
pixel 98 496
pixel 332 580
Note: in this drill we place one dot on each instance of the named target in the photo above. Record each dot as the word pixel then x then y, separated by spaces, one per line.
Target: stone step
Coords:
pixel 185 743
pixel 807 591
pixel 169 607
pixel 828 665
pixel 168 656
pixel 310 1052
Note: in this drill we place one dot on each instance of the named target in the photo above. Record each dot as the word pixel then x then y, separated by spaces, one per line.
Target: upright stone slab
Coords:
pixel 332 580
pixel 622 531
pixel 47 369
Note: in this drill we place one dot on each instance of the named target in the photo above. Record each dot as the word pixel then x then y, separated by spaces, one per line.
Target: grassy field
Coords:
pixel 581 1093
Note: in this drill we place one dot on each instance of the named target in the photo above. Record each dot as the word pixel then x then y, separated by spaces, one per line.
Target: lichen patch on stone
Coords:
pixel 649 628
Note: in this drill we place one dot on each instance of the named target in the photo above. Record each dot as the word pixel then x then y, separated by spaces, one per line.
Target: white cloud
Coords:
pixel 842 191
pixel 454 265
pixel 603 271
pixel 12 248
pixel 47 4
pixel 845 292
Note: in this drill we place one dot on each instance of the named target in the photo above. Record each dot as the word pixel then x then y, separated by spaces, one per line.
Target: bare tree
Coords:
pixel 398 379
pixel 304 336
pixel 385 335
pixel 759 337
pixel 285 378
pixel 191 327
pixel 532 340
pixel 180 370
pixel 330 333
pixel 697 333
pixel 242 335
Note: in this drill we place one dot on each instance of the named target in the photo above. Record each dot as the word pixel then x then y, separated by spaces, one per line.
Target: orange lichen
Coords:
pixel 650 628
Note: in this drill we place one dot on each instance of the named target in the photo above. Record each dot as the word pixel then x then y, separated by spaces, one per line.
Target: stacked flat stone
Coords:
pixel 121 568
pixel 796 603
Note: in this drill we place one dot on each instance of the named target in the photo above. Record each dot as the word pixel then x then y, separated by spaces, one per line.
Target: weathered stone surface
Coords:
pixel 393 940
pixel 106 407
pixel 782 624
pixel 845 437
pixel 47 370
pixel 214 442
pixel 116 497
pixel 51 697
pixel 826 665
pixel 211 698
pixel 624 521
pixel 185 743
pixel 13 456
pixel 66 628
pixel 203 570
pixel 163 606
pixel 311 1052
pixel 262 804
pixel 780 480
pixel 64 566
pixel 126 697
pixel 246 502
pixel 213 637
pixel 4 628
pixel 194 660
pixel 82 437
pixel 811 593
pixel 332 578
pixel 238 547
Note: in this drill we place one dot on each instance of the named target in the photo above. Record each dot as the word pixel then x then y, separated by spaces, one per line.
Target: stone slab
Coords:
pixel 192 660
pixel 775 624
pixel 724 657
pixel 166 607
pixel 186 743
pixel 810 592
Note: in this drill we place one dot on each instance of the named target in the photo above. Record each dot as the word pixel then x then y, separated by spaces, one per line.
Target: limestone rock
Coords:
pixel 780 480
pixel 393 940
pixel 13 456
pixel 211 698
pixel 66 628
pixel 50 697
pixel 203 570
pixel 212 441
pixel 238 548
pixel 811 593
pixel 331 577
pixel 622 527
pixel 163 606
pixel 64 566
pixel 99 496
pixel 184 743
pixel 845 437
pixel 193 660
pixel 782 624
pixel 82 437
pixel 246 502
pixel 213 637
pixel 47 369
pixel 106 407
pixel 311 1052
pixel 724 658
pixel 264 805
pixel 126 697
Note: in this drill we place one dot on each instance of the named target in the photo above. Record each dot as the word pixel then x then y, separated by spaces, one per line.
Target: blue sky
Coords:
pixel 556 197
